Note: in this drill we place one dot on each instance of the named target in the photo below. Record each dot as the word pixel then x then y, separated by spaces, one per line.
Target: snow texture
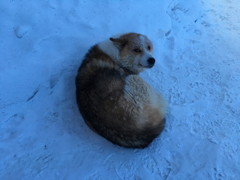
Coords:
pixel 197 47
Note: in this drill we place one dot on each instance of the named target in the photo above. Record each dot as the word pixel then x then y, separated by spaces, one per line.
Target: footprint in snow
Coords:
pixel 21 31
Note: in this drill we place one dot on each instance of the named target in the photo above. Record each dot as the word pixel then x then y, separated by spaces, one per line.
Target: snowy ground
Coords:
pixel 197 47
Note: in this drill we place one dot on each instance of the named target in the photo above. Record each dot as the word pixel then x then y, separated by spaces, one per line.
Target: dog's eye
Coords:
pixel 137 50
pixel 149 47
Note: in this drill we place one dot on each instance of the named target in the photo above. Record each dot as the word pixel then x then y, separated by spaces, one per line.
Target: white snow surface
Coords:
pixel 197 48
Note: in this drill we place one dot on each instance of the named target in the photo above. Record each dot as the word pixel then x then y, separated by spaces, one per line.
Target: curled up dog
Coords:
pixel 114 101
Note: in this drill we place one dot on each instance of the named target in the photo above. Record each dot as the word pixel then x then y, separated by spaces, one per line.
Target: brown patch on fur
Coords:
pixel 132 41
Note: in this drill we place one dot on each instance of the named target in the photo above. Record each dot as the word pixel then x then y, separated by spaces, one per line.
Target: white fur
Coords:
pixel 139 92
pixel 142 40
pixel 110 49
pixel 147 54
pixel 144 59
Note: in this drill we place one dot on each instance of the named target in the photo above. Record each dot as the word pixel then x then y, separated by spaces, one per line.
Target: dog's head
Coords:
pixel 134 52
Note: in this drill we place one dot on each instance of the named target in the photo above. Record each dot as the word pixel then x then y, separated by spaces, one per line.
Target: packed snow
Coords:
pixel 197 48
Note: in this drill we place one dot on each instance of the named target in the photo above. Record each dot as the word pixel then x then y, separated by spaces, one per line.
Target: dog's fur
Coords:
pixel 113 100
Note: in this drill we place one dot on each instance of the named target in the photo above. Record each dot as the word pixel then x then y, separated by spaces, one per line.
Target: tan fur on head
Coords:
pixel 131 51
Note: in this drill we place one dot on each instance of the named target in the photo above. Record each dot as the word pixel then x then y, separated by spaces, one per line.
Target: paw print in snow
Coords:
pixel 21 31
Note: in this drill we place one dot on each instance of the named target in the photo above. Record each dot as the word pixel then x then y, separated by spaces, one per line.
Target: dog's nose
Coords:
pixel 151 61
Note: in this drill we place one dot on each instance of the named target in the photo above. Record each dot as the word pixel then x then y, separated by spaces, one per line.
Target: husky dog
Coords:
pixel 114 101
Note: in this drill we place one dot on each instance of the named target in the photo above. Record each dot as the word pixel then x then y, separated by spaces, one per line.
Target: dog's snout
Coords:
pixel 151 61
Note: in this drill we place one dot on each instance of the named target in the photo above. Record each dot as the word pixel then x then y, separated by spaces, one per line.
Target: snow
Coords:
pixel 42 134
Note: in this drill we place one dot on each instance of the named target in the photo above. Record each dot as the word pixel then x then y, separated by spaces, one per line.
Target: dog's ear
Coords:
pixel 118 42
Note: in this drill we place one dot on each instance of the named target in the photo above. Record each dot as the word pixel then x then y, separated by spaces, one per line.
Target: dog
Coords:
pixel 113 99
